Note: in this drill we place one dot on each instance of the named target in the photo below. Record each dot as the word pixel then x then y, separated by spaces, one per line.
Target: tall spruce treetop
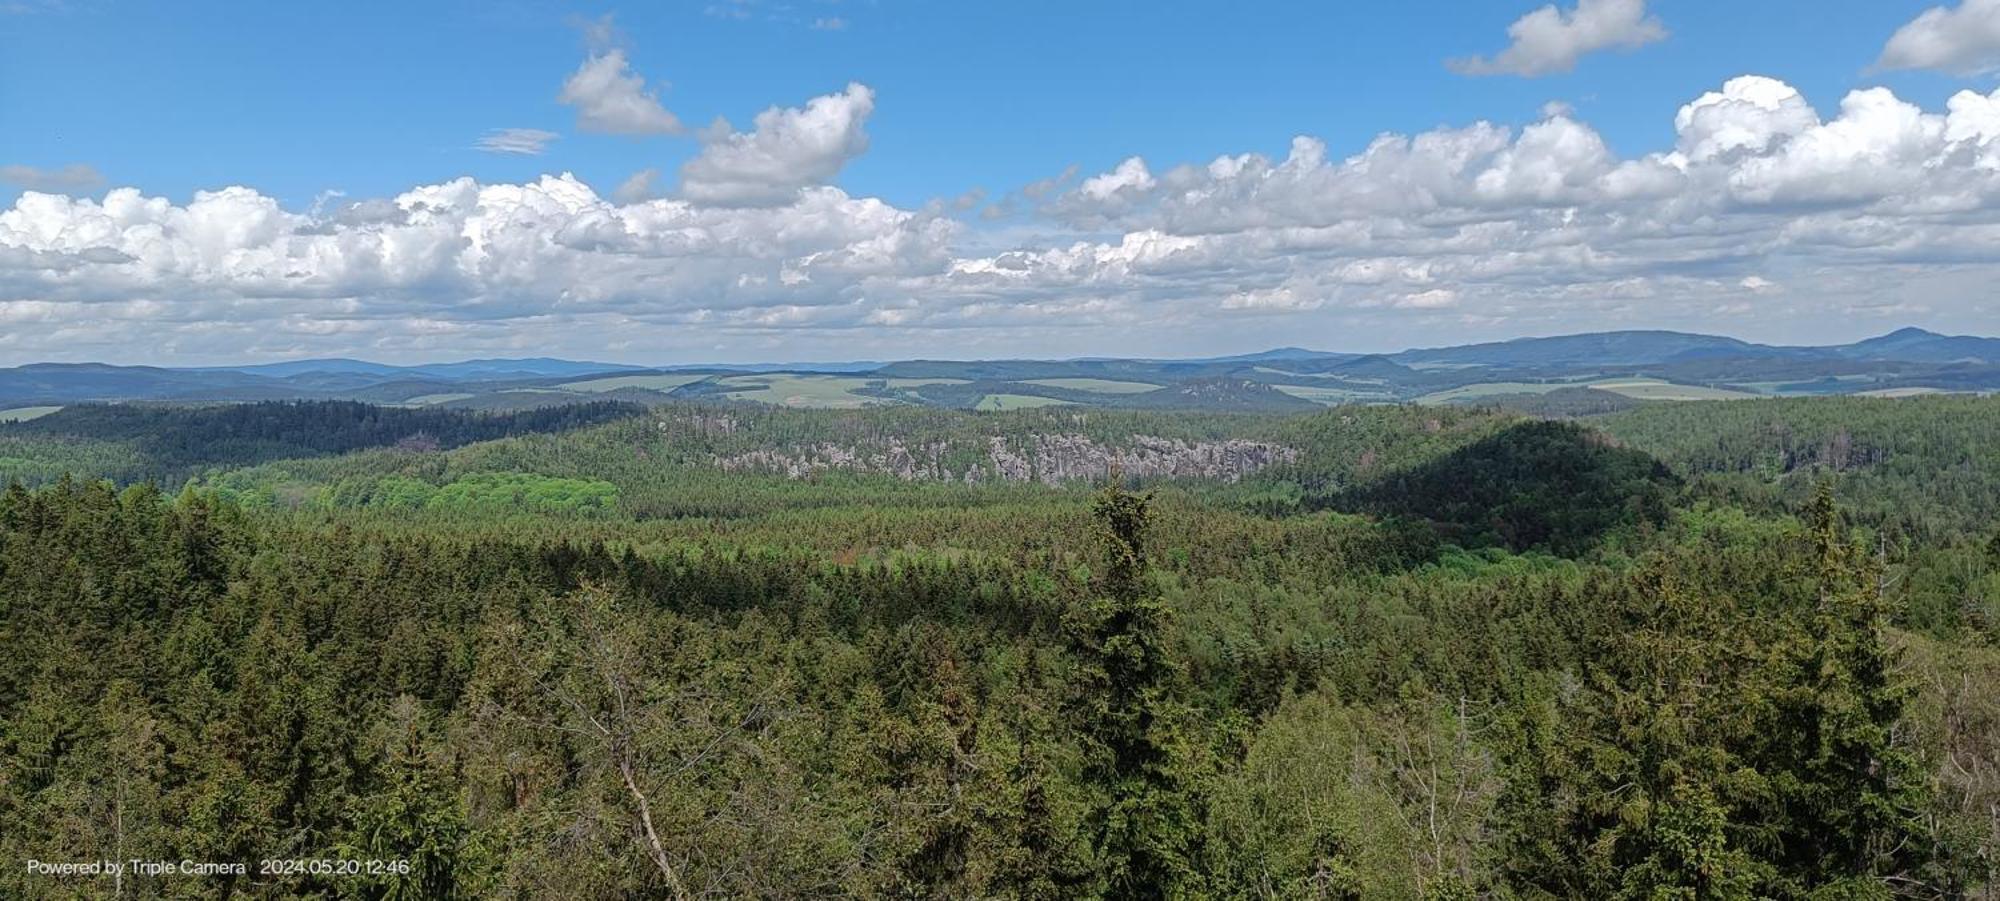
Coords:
pixel 1128 693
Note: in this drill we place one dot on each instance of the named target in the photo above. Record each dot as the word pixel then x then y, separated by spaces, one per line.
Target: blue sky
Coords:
pixel 315 108
pixel 370 98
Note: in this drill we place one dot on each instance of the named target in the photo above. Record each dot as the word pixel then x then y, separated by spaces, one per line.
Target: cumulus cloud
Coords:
pixel 1551 40
pixel 73 177
pixel 786 151
pixel 1760 207
pixel 440 262
pixel 611 99
pixel 1963 40
pixel 1131 179
pixel 518 141
pixel 1541 222
pixel 1753 147
pixel 1749 114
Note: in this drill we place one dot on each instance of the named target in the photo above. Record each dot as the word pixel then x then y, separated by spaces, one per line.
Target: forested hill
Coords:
pixel 1742 648
pixel 1154 697
pixel 1926 465
pixel 173 441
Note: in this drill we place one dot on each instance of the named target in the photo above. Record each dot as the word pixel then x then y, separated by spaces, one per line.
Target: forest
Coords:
pixel 1718 649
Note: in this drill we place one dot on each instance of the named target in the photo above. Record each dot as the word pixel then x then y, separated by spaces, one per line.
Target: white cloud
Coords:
pixel 73 177
pixel 1281 299
pixel 786 151
pixel 1750 148
pixel 1432 299
pixel 1963 40
pixel 1131 177
pixel 439 263
pixel 1551 40
pixel 642 185
pixel 1760 207
pixel 1749 114
pixel 1540 224
pixel 610 99
pixel 519 141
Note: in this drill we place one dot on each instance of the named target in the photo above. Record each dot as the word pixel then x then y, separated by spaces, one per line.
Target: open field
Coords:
pixel 1805 388
pixel 789 390
pixel 661 382
pixel 1654 389
pixel 786 389
pixel 425 400
pixel 1326 395
pixel 1636 388
pixel 1100 386
pixel 1901 392
pixel 23 414
pixel 997 402
pixel 1320 376
pixel 1490 389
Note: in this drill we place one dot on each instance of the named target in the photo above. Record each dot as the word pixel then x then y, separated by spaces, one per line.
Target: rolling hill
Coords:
pixel 1644 365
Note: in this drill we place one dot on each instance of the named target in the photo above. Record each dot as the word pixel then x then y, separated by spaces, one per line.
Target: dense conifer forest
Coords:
pixel 1726 649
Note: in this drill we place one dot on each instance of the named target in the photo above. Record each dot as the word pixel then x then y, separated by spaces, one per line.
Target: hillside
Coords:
pixel 918 612
pixel 1645 365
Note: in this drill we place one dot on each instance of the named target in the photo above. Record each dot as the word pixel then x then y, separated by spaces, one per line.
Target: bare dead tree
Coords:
pixel 599 675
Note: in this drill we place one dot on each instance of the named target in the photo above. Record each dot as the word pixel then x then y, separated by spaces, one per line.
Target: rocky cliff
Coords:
pixel 1047 458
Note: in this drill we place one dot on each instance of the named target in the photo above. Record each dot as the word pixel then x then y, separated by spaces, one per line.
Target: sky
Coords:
pixel 204 183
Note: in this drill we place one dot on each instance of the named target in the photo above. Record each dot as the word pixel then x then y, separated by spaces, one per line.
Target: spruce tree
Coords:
pixel 1130 682
pixel 1852 792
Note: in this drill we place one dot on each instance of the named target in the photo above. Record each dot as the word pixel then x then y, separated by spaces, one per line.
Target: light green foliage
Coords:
pixel 498 492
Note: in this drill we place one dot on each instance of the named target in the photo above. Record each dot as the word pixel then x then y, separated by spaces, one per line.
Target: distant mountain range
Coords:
pixel 531 367
pixel 1655 347
pixel 1633 365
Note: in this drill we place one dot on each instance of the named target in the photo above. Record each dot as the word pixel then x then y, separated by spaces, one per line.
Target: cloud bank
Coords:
pixel 1763 213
